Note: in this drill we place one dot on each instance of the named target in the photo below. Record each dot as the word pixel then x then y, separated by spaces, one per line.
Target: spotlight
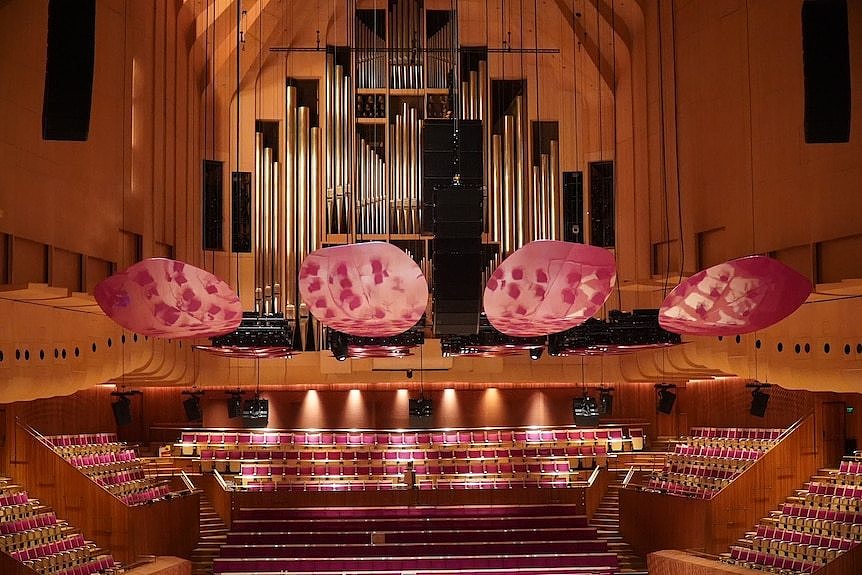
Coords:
pixel 759 399
pixel 536 353
pixel 234 403
pixel 606 400
pixel 192 405
pixel 585 410
pixel 338 344
pixel 666 398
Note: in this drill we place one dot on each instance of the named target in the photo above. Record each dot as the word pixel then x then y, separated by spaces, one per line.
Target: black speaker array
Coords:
pixel 573 207
pixel 69 70
pixel 455 212
pixel 826 64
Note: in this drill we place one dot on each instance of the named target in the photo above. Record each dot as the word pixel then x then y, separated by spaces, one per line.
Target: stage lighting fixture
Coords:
pixel 666 397
pixel 536 353
pixel 255 412
pixel 421 407
pixel 192 405
pixel 606 400
pixel 338 344
pixel 234 404
pixel 585 410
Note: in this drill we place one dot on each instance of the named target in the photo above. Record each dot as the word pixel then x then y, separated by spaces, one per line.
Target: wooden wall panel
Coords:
pixel 681 563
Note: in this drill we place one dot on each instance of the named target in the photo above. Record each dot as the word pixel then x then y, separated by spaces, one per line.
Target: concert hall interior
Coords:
pixel 430 286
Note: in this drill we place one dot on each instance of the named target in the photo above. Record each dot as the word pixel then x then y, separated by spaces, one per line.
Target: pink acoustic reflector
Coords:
pixel 371 289
pixel 547 287
pixel 738 296
pixel 167 298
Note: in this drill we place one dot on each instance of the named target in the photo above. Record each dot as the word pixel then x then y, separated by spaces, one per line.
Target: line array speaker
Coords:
pixel 69 70
pixel 826 65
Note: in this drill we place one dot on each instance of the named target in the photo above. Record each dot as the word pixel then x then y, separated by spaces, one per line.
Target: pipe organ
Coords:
pixel 358 174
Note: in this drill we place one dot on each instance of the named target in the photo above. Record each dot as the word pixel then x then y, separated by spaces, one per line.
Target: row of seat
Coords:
pixel 425 484
pixel 698 469
pixel 754 559
pixel 493 540
pixel 110 464
pixel 193 443
pixel 737 432
pixel 809 529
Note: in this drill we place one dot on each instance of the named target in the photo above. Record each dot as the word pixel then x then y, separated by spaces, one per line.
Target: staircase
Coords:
pixel 607 520
pixel 213 536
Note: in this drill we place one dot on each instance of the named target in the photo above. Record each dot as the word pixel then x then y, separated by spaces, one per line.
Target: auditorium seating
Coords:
pixel 459 459
pixel 710 458
pixel 811 528
pixel 110 464
pixel 32 535
pixel 498 540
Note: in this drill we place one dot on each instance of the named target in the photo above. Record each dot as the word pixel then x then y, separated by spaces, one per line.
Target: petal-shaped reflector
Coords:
pixel 371 289
pixel 248 352
pixel 548 286
pixel 735 297
pixel 160 297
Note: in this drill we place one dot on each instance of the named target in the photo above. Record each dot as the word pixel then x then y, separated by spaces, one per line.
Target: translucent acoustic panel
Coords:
pixel 161 297
pixel 371 289
pixel 547 287
pixel 739 296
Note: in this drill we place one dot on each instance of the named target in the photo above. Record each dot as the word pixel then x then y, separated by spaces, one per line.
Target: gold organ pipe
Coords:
pixel 267 229
pixel 290 199
pixel 474 95
pixel 486 149
pixel 346 139
pixel 509 190
pixel 546 197
pixel 314 188
pixel 465 101
pixel 329 141
pixel 277 236
pixel 338 182
pixel 404 160
pixel 302 177
pixel 520 195
pixel 412 163
pixel 393 177
pixel 555 197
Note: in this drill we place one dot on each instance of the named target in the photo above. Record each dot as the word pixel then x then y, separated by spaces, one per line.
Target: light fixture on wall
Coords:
pixel 606 400
pixel 234 403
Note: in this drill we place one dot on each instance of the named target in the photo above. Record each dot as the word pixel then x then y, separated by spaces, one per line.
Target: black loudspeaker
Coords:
pixel 122 411
pixel 759 400
pixel 666 399
pixel 69 70
pixel 241 203
pixel 192 406
pixel 446 152
pixel 826 65
pixel 573 207
pixel 602 210
pixel 212 205
pixel 457 267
